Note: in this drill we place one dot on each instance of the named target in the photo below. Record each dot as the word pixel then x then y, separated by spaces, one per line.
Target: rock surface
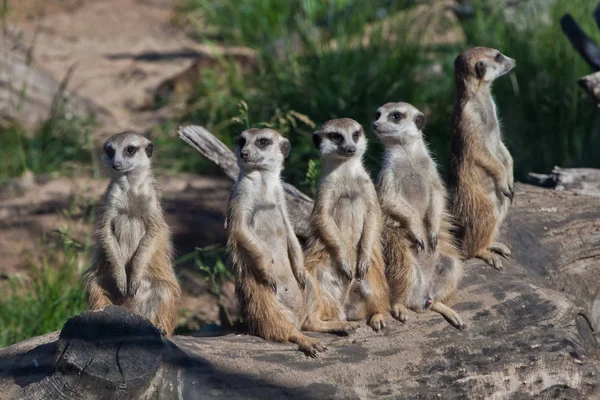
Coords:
pixel 530 334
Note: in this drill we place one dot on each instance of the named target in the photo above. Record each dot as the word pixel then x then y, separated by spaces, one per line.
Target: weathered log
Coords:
pixel 577 180
pixel 299 205
pixel 30 96
pixel 531 333
pixel 591 84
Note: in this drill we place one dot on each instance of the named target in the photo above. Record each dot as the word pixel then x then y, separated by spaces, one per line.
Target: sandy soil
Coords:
pixel 101 38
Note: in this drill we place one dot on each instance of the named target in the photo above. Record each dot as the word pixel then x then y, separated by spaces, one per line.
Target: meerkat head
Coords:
pixel 261 149
pixel 340 139
pixel 126 152
pixel 482 64
pixel 398 123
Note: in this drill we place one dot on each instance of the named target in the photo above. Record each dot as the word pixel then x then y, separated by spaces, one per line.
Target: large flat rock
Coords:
pixel 530 334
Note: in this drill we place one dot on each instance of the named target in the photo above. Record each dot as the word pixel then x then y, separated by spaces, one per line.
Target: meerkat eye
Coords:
pixel 499 57
pixel 355 135
pixel 263 142
pixel 336 137
pixel 131 149
pixel 397 116
pixel 109 151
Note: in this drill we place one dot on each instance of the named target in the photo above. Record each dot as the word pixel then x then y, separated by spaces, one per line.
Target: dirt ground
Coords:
pixel 101 38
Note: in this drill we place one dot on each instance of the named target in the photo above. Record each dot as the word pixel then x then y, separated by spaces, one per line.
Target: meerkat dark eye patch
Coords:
pixel 355 136
pixel 480 69
pixel 420 121
pixel 336 137
pixel 377 115
pixel 149 150
pixel 396 116
pixel 109 150
pixel 499 57
pixel 263 142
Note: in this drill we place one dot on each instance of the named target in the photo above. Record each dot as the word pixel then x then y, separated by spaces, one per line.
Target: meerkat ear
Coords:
pixel 420 121
pixel 285 148
pixel 149 150
pixel 317 140
pixel 480 69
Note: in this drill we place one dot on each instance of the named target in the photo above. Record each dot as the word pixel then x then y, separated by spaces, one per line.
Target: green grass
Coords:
pixel 59 140
pixel 547 119
pixel 52 293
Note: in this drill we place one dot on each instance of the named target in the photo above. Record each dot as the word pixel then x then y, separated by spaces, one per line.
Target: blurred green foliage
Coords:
pixel 62 138
pixel 547 119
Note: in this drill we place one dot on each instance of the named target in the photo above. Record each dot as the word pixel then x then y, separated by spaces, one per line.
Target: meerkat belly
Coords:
pixel 128 231
pixel 413 187
pixel 270 229
pixel 349 215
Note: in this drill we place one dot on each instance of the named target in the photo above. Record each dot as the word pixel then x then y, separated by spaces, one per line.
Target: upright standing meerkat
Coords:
pixel 277 297
pixel 344 250
pixel 133 264
pixel 422 264
pixel 481 168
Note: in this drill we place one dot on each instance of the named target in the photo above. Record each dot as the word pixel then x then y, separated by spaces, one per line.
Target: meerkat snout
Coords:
pixel 398 122
pixel 127 151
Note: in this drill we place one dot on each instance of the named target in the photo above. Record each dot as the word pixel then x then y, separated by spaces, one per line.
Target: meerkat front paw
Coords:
pixel 133 285
pixel 301 278
pixel 344 269
pixel 362 268
pixel 508 192
pixel 121 283
pixel 433 241
pixel 420 244
pixel 272 283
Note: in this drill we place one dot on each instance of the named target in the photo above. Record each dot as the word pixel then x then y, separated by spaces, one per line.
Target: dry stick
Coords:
pixel 299 205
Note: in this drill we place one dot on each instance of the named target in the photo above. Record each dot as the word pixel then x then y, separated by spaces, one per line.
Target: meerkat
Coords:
pixel 344 250
pixel 481 168
pixel 277 297
pixel 133 263
pixel 423 266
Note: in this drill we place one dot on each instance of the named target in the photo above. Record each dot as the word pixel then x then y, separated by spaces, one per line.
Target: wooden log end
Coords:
pixel 107 351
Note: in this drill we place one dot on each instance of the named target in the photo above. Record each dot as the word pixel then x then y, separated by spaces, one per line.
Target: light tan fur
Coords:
pixel 481 168
pixel 423 266
pixel 344 250
pixel 133 263
pixel 278 298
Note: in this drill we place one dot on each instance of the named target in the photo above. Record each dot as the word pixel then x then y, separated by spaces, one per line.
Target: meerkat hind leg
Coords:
pixel 500 248
pixel 306 344
pixel 490 258
pixel 400 312
pixel 339 327
pixel 451 316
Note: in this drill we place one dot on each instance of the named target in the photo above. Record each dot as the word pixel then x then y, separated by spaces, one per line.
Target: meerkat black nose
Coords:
pixel 375 125
pixel 350 150
pixel 244 155
pixel 117 165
